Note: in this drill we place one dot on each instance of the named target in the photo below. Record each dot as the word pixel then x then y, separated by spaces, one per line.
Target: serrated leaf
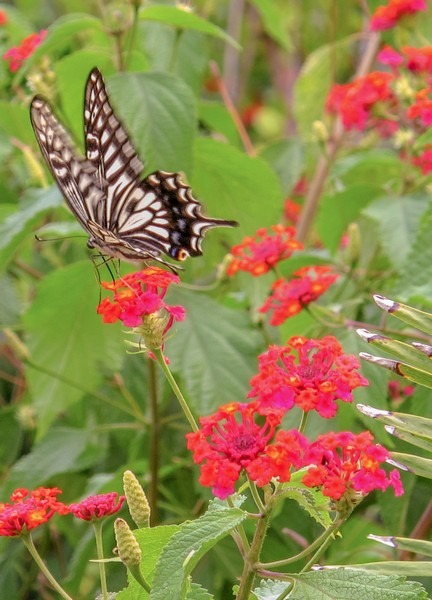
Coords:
pixel 343 584
pixel 187 547
pixel 416 274
pixel 67 341
pixel 286 157
pixel 59 452
pixel 237 186
pixel 214 344
pixel 158 110
pixel 19 225
pixel 397 220
pixel 311 500
pixel 197 592
pixel 182 19
pixel 152 541
pixel 337 211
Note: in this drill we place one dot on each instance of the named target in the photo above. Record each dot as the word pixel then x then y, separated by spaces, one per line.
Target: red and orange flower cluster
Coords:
pixel 30 509
pixel 17 55
pixel 388 15
pixel 263 252
pixel 246 438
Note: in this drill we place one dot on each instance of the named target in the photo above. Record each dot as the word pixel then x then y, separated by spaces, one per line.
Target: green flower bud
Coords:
pixel 136 499
pixel 128 548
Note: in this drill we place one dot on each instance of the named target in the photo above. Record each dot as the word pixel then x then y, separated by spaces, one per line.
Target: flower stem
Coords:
pixel 337 523
pixel 249 569
pixel 100 554
pixel 175 388
pixel 154 440
pixel 28 541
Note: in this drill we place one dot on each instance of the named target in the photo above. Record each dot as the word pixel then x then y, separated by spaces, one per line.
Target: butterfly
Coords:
pixel 126 216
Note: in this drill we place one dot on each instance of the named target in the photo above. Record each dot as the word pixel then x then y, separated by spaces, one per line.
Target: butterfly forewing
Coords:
pixel 126 217
pixel 73 173
pixel 110 151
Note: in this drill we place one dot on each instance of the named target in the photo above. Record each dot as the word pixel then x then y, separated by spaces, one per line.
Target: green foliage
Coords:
pixel 79 405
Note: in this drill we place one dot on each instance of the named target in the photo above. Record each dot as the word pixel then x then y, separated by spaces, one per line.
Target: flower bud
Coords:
pixel 127 545
pixel 136 499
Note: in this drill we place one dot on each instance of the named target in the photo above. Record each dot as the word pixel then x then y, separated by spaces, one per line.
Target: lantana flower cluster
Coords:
pixel 395 103
pixel 138 302
pixel 30 509
pixel 247 438
pixel 388 15
pixel 17 55
pixel 263 252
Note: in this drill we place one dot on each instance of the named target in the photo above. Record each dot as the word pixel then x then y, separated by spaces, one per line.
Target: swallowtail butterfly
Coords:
pixel 125 216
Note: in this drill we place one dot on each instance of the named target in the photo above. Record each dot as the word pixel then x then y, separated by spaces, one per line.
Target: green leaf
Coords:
pixel 214 344
pixel 420 319
pixel 397 219
pixel 397 567
pixel 405 352
pixel 409 544
pixel 152 541
pixel 419 429
pixel 416 274
pixel 68 342
pixel 19 226
pixel 275 22
pixel 416 464
pixel 182 19
pixel 14 121
pixel 316 77
pixel 337 211
pixel 159 111
pixel 187 547
pixel 311 500
pixel 237 186
pixel 286 157
pixel 343 584
pixel 61 451
pixel 382 167
pixel 217 118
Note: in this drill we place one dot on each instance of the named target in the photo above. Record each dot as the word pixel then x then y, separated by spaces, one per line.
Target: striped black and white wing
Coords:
pixel 73 174
pixel 156 215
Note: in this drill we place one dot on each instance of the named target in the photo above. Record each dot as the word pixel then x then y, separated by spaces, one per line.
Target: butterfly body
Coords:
pixel 125 216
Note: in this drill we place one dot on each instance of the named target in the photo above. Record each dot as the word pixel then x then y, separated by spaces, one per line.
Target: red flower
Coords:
pixel 424 161
pixel 345 461
pixel 259 253
pixel 138 301
pixel 3 18
pixel 97 507
pixel 28 510
pixel 387 16
pixel 18 54
pixel 422 107
pixel 314 380
pixel 291 211
pixel 354 101
pixel 231 440
pixel 289 297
